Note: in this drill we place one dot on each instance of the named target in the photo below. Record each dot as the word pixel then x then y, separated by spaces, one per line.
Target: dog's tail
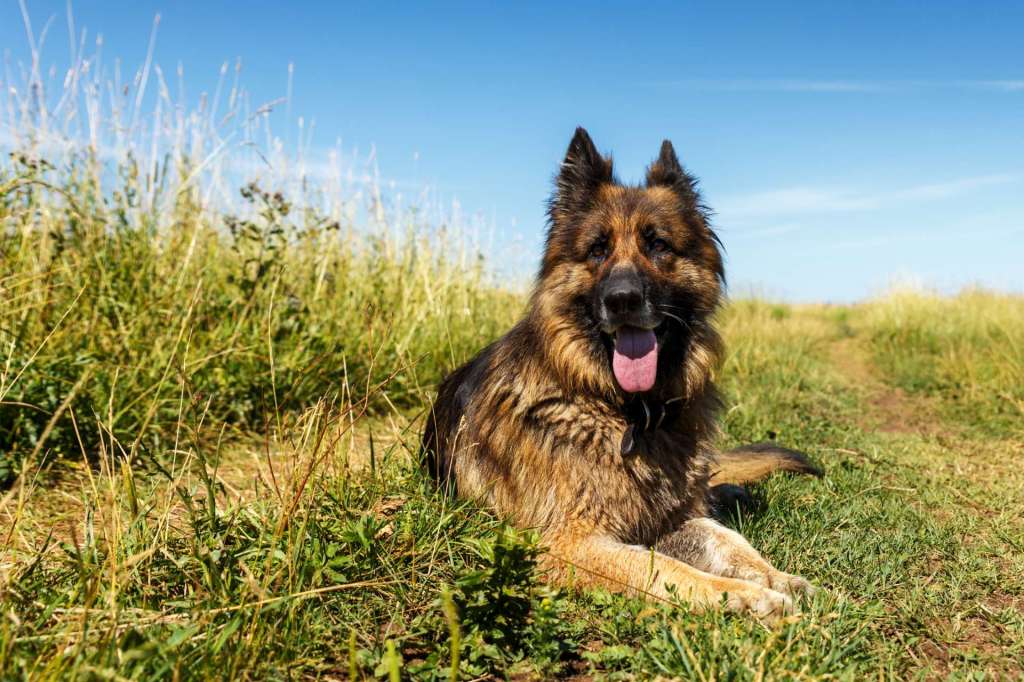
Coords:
pixel 750 463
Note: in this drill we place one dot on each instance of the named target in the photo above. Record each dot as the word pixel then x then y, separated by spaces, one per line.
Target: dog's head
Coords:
pixel 630 274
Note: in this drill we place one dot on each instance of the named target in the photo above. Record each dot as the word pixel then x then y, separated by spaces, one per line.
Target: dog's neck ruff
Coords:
pixel 645 416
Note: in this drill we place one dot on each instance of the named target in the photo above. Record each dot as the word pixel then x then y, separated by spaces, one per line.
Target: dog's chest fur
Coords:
pixel 547 458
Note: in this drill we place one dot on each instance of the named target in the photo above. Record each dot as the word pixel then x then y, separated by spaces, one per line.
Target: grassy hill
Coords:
pixel 208 428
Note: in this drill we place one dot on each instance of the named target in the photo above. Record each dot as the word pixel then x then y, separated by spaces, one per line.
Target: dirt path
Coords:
pixel 971 476
pixel 891 409
pixel 953 457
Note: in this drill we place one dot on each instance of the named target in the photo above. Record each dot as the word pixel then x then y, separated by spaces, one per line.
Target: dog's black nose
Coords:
pixel 623 295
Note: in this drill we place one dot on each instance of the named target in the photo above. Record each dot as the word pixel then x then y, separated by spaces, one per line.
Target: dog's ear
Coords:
pixel 666 171
pixel 582 172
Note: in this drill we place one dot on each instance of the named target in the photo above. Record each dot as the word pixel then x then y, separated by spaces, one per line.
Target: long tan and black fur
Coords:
pixel 537 427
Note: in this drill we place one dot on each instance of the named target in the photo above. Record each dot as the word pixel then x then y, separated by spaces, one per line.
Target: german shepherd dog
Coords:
pixel 593 419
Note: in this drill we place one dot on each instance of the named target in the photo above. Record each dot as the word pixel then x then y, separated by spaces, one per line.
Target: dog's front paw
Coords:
pixel 763 602
pixel 792 585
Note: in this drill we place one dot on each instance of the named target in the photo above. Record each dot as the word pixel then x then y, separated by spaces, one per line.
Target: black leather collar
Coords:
pixel 644 416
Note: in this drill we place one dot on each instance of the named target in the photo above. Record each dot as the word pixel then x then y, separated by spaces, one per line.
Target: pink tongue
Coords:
pixel 635 359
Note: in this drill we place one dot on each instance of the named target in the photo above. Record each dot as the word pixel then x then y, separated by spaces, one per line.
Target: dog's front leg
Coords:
pixel 599 560
pixel 712 547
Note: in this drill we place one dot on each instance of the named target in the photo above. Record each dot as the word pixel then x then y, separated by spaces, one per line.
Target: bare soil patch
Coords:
pixel 892 409
pixel 956 458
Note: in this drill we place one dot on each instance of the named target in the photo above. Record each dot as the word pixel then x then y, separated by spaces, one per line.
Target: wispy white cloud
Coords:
pixel 972 225
pixel 768 231
pixel 777 85
pixel 840 85
pixel 812 200
pixel 950 189
pixel 1005 85
pixel 793 200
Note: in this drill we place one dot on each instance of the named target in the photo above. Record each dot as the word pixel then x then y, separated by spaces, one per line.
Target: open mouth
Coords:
pixel 635 359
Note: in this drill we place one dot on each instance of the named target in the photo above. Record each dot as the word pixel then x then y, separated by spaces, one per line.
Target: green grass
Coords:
pixel 208 427
pixel 218 321
pixel 967 350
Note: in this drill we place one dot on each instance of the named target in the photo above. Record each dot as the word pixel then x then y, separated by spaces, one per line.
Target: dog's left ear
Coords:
pixel 666 171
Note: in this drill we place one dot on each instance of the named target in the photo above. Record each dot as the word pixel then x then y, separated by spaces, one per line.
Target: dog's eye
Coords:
pixel 659 246
pixel 599 251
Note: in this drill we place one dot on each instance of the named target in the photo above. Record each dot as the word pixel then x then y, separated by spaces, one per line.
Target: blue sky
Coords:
pixel 841 145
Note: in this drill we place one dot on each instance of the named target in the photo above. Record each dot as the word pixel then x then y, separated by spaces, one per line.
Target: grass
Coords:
pixel 211 433
pixel 211 394
pixel 968 351
pixel 219 321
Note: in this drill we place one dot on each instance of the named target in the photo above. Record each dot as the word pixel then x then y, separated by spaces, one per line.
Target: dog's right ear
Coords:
pixel 666 171
pixel 582 172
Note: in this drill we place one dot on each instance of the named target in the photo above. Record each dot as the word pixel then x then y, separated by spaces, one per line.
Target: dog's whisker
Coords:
pixel 675 317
